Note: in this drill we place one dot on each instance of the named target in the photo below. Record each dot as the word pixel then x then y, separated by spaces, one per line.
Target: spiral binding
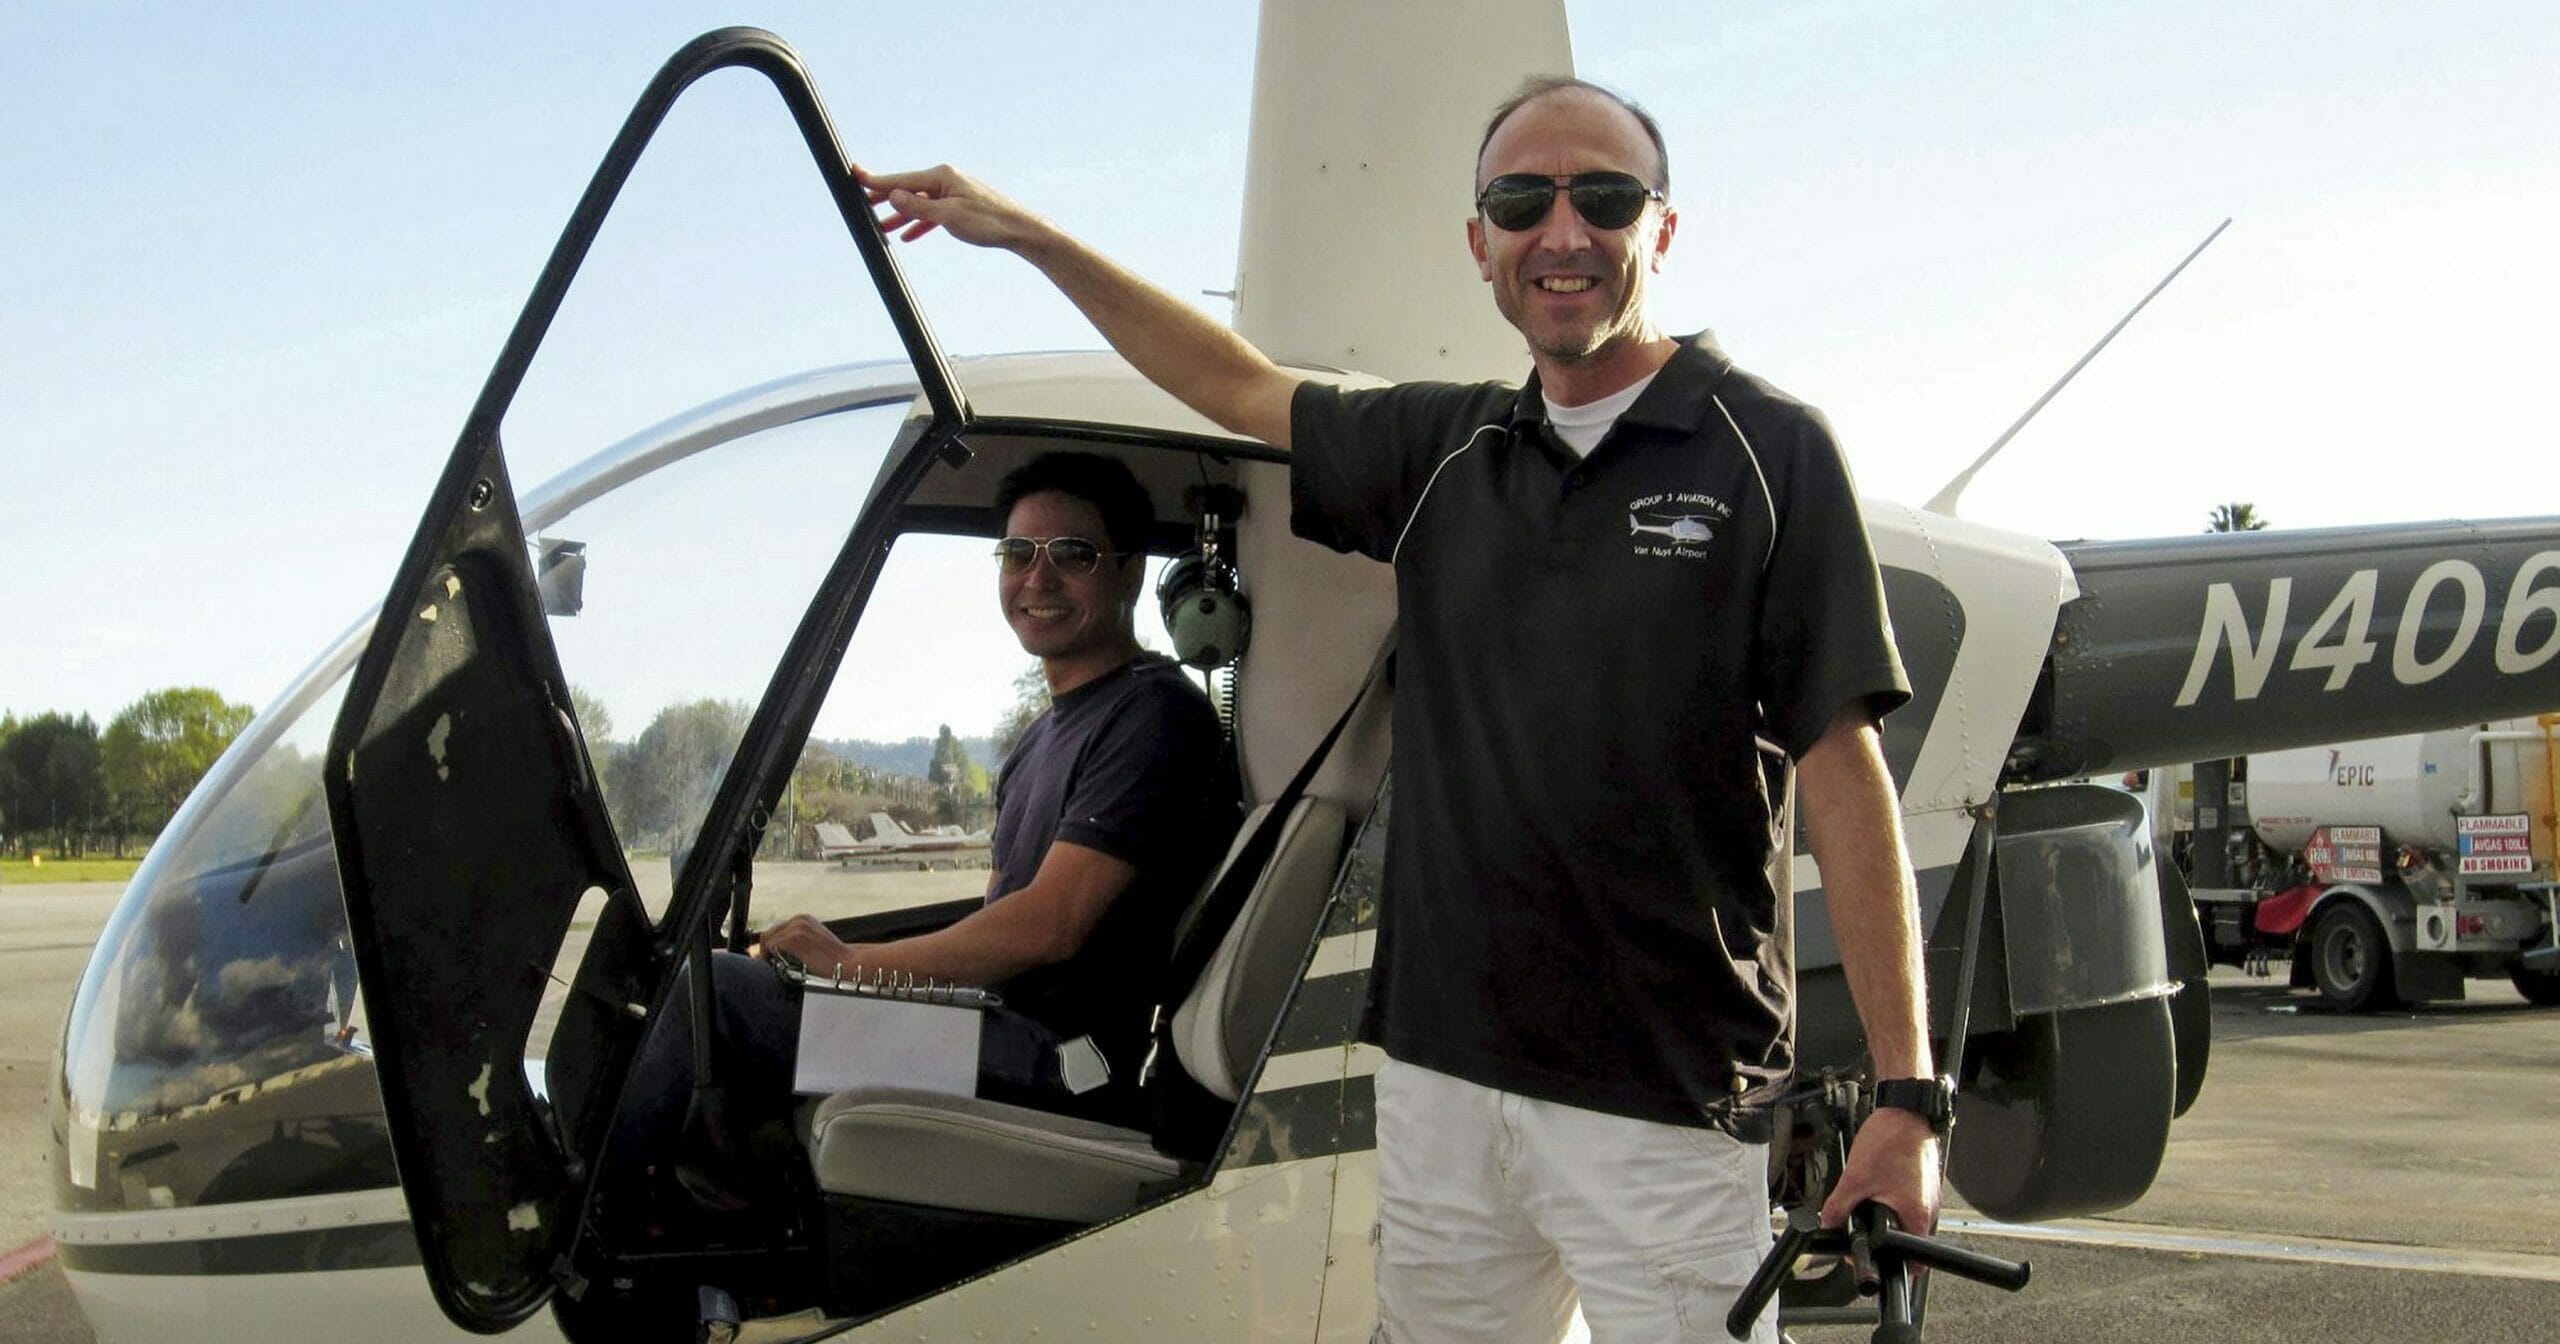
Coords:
pixel 880 983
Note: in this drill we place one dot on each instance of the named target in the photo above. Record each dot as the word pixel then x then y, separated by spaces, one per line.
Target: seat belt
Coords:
pixel 1218 910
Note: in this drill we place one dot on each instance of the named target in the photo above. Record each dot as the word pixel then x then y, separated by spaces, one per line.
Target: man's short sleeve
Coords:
pixel 1826 640
pixel 1359 459
pixel 1144 774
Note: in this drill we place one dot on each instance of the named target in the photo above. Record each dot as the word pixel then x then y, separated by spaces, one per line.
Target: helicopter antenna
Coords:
pixel 1945 500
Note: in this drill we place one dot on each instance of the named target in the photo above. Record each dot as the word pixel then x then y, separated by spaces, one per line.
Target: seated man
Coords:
pixel 1110 814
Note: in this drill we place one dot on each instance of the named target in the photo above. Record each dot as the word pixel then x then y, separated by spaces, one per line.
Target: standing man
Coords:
pixel 1636 603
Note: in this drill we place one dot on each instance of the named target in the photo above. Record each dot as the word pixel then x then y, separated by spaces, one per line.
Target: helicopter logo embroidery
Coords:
pixel 1676 524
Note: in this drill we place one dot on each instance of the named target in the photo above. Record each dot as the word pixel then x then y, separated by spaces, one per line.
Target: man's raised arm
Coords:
pixel 1174 345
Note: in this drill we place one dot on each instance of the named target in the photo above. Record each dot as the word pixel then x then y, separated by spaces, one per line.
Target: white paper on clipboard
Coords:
pixel 866 1040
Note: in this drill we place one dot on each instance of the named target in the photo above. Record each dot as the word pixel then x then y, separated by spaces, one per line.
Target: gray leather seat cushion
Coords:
pixel 965 1153
pixel 953 1152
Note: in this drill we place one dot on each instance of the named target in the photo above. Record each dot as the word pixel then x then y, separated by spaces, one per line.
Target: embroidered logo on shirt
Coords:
pixel 1675 525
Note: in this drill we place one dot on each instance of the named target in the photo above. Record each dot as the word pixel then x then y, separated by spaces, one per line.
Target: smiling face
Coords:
pixel 1078 625
pixel 1576 292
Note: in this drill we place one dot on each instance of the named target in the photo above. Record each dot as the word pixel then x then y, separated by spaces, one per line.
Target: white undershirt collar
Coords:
pixel 1582 427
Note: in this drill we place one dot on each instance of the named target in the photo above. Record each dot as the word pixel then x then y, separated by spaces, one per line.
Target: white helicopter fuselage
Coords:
pixel 1278 1246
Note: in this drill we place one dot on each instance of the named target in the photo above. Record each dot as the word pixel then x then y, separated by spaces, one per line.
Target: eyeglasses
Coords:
pixel 1072 555
pixel 1518 201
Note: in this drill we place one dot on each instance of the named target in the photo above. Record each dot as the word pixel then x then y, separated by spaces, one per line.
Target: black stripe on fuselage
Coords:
pixel 1324 1013
pixel 1313 1120
pixel 318 1251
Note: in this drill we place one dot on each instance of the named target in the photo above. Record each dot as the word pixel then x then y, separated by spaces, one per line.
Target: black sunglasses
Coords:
pixel 1517 201
pixel 1072 555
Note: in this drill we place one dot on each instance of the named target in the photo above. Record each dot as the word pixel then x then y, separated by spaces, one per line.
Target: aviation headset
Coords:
pixel 1200 594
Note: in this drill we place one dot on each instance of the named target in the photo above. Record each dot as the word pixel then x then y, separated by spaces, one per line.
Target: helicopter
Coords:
pixel 296 1074
pixel 1685 528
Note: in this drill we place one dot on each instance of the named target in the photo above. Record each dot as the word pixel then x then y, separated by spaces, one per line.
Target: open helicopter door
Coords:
pixel 467 817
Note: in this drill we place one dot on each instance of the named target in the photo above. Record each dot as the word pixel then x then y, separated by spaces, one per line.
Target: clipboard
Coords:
pixel 879 1030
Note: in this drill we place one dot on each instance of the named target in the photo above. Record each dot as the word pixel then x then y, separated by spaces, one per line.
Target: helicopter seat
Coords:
pixel 964 1153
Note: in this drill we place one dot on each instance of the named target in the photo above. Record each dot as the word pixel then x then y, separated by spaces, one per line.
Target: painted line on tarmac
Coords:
pixel 25 1258
pixel 2307 1250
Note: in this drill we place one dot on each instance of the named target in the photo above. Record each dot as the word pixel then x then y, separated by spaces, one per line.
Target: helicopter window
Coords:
pixel 932 691
pixel 695 577
pixel 564 971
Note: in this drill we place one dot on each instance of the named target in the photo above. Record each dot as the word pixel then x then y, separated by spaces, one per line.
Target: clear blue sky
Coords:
pixel 258 258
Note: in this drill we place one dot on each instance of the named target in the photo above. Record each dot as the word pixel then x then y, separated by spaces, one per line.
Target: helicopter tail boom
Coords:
pixel 2194 648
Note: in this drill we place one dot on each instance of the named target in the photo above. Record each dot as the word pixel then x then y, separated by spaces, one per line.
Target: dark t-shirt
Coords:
pixel 1607 666
pixel 1132 764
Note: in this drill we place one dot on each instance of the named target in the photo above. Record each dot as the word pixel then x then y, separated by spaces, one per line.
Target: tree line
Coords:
pixel 71 789
pixel 658 785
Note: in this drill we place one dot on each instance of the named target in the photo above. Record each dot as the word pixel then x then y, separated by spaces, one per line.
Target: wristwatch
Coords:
pixel 1932 1099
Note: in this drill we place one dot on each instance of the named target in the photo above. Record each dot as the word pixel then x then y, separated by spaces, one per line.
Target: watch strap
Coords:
pixel 1932 1099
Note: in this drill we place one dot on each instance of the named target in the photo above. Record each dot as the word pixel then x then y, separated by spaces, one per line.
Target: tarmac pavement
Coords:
pixel 2111 1295
pixel 2358 1143
pixel 46 932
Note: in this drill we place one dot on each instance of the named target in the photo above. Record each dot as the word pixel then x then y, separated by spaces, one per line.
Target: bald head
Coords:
pixel 1541 89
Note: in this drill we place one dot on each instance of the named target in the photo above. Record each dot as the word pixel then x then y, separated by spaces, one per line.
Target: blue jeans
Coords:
pixel 755 1038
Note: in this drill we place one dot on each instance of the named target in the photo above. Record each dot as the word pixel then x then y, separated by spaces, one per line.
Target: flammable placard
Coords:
pixel 2345 853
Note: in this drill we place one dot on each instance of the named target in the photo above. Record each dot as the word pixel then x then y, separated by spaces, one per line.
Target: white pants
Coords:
pixel 1494 1208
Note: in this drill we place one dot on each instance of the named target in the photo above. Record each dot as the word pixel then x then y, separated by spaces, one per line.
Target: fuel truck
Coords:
pixel 2385 871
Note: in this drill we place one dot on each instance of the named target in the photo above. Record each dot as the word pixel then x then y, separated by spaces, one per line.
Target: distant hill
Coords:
pixel 912 757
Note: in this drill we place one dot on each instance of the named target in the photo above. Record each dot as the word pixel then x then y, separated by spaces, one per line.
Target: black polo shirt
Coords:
pixel 1134 764
pixel 1605 670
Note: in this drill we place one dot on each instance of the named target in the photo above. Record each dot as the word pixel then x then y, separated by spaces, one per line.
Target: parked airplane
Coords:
pixel 890 838
pixel 230 1160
